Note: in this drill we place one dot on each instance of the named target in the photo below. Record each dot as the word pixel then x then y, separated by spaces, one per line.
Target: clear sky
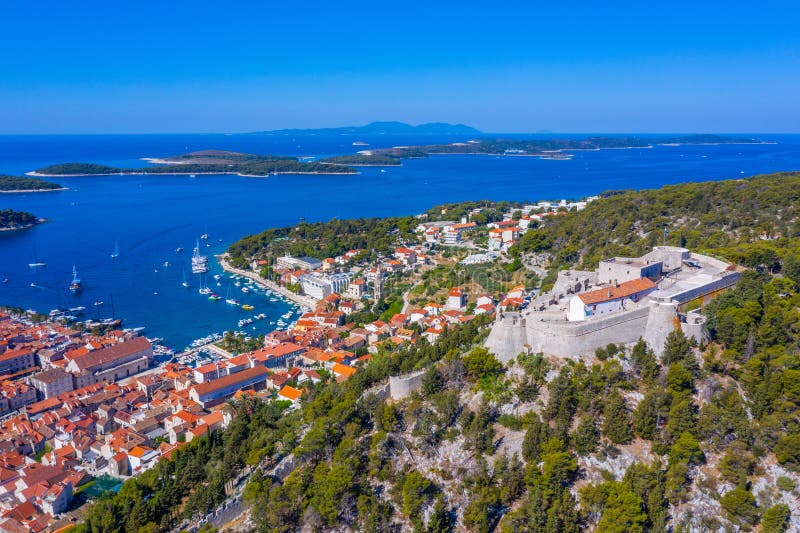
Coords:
pixel 197 66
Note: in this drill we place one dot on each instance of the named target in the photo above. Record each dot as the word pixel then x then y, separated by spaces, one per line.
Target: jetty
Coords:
pixel 306 301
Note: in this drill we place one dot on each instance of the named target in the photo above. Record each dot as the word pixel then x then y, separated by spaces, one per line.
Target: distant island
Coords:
pixel 556 149
pixel 11 220
pixel 384 128
pixel 254 165
pixel 15 184
pixel 203 162
pixel 363 160
pixel 548 147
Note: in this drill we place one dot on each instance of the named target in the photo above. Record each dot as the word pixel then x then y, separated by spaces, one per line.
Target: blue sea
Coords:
pixel 148 217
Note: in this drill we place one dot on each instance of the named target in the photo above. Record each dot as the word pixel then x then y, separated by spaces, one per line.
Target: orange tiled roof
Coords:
pixel 343 370
pixel 623 290
pixel 290 393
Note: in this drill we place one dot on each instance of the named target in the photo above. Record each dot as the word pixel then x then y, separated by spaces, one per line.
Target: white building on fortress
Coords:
pixel 625 299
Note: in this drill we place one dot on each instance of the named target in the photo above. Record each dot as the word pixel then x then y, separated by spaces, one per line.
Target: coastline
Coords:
pixel 27 226
pixel 35 174
pixel 296 298
pixel 21 191
pixel 354 165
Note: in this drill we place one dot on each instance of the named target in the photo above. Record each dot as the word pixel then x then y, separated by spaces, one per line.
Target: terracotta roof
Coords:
pixel 238 377
pixel 290 393
pixel 343 370
pixel 623 290
pixel 138 451
pixel 464 226
pixel 112 353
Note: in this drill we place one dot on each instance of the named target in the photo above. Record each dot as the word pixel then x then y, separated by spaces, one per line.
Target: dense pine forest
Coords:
pixel 10 219
pixel 704 438
pixel 15 183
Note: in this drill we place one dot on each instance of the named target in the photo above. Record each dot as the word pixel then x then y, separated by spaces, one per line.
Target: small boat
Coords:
pixel 248 307
pixel 184 282
pixel 217 276
pixel 245 290
pixel 33 284
pixel 229 300
pixel 360 143
pixel 204 290
pixel 5 280
pixel 75 286
pixel 192 175
pixel 37 263
pixel 199 262
pixel 179 249
pixel 98 303
pixel 204 236
pixel 214 297
pixel 166 264
pixel 115 253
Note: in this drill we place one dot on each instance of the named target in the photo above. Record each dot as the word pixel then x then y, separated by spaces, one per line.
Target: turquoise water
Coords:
pixel 150 216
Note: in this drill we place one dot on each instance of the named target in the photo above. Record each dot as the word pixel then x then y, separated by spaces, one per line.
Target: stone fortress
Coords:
pixel 623 300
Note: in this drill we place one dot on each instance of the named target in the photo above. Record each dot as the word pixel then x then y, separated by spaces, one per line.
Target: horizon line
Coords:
pixel 483 133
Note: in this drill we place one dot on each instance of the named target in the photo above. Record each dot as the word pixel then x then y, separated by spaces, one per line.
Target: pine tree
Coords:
pixel 617 425
pixel 584 440
pixel 440 521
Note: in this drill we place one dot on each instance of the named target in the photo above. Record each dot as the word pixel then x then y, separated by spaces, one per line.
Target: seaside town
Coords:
pixel 83 411
pixel 273 267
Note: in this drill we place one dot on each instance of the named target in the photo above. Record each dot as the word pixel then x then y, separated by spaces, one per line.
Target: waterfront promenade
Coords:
pixel 297 298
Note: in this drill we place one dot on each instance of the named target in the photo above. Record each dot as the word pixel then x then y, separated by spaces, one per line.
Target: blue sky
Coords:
pixel 196 66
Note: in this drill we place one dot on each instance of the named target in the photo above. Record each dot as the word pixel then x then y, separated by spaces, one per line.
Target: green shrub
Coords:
pixel 785 483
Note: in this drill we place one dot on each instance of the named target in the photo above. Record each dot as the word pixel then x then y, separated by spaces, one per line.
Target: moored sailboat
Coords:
pixel 199 262
pixel 76 284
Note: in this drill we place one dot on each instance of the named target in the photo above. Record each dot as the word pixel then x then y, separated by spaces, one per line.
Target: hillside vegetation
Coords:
pixel 15 183
pixel 10 219
pixel 207 162
pixel 543 146
pixel 719 216
pixel 706 438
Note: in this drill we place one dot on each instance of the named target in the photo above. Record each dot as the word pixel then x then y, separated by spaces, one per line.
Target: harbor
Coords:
pixel 299 299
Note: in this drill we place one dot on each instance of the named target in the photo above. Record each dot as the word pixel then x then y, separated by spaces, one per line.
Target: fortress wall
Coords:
pixel 660 323
pixel 671 256
pixel 508 337
pixel 697 332
pixel 401 387
pixel 573 340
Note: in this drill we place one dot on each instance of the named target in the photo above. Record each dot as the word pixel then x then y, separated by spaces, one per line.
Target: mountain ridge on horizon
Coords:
pixel 384 128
